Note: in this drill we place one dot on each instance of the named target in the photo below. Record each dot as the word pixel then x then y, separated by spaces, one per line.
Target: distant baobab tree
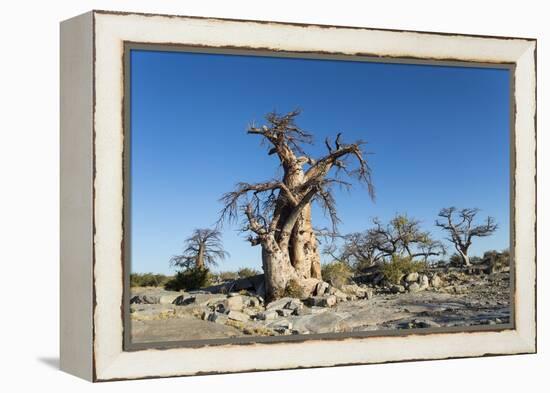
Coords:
pixel 278 212
pixel 402 236
pixel 202 249
pixel 461 228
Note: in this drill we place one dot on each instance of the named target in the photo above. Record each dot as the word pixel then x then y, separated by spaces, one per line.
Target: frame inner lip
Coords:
pixel 128 345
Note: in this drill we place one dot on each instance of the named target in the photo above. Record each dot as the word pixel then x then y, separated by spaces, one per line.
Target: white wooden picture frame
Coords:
pixel 92 193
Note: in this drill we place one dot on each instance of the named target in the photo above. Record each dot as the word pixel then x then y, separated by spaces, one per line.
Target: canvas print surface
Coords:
pixel 284 197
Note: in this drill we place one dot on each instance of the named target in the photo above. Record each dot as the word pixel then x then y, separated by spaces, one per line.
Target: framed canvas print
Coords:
pixel 245 195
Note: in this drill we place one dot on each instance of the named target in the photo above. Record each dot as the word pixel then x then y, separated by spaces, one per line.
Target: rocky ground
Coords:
pixel 435 299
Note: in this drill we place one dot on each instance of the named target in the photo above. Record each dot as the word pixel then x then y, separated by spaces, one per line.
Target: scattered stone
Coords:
pixel 424 282
pixel 436 281
pixel 238 316
pixel 253 302
pixel 325 322
pixel 308 287
pixel 281 324
pixel 200 292
pixel 251 312
pixel 153 312
pixel 157 298
pixel 340 296
pixel 278 304
pixel 184 300
pixel 458 299
pixel 355 291
pixel 282 331
pixel 235 303
pixel 295 304
pixel 411 277
pixel 199 299
pixel 351 289
pixel 285 312
pixel 267 315
pixel 168 299
pixel 459 289
pixel 425 323
pixel 138 299
pixel 311 310
pixel 397 289
pixel 368 293
pixel 218 318
pixel 321 301
pixel 321 288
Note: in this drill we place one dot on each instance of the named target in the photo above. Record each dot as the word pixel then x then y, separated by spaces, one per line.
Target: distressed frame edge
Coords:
pixel 305 24
pixel 76 196
pixel 528 340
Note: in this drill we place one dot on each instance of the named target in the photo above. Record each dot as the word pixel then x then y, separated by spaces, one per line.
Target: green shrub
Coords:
pixel 337 273
pixel 148 280
pixel 191 279
pixel 245 272
pixel 400 266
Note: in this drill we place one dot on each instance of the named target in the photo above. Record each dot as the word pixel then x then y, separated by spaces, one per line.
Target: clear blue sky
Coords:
pixel 439 137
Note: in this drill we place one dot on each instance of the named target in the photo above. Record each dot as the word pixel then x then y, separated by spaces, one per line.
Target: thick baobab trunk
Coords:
pixel 304 249
pixel 295 258
pixel 278 270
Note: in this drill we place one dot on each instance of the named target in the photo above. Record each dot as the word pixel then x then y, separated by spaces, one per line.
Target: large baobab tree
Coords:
pixel 203 248
pixel 461 228
pixel 278 212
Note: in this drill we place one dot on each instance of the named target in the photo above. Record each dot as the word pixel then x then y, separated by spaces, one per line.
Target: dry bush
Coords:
pixel 293 289
pixel 400 266
pixel 337 273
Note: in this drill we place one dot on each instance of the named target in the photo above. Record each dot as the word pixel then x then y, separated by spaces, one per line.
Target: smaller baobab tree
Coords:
pixel 402 237
pixel 202 249
pixel 360 250
pixel 461 229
